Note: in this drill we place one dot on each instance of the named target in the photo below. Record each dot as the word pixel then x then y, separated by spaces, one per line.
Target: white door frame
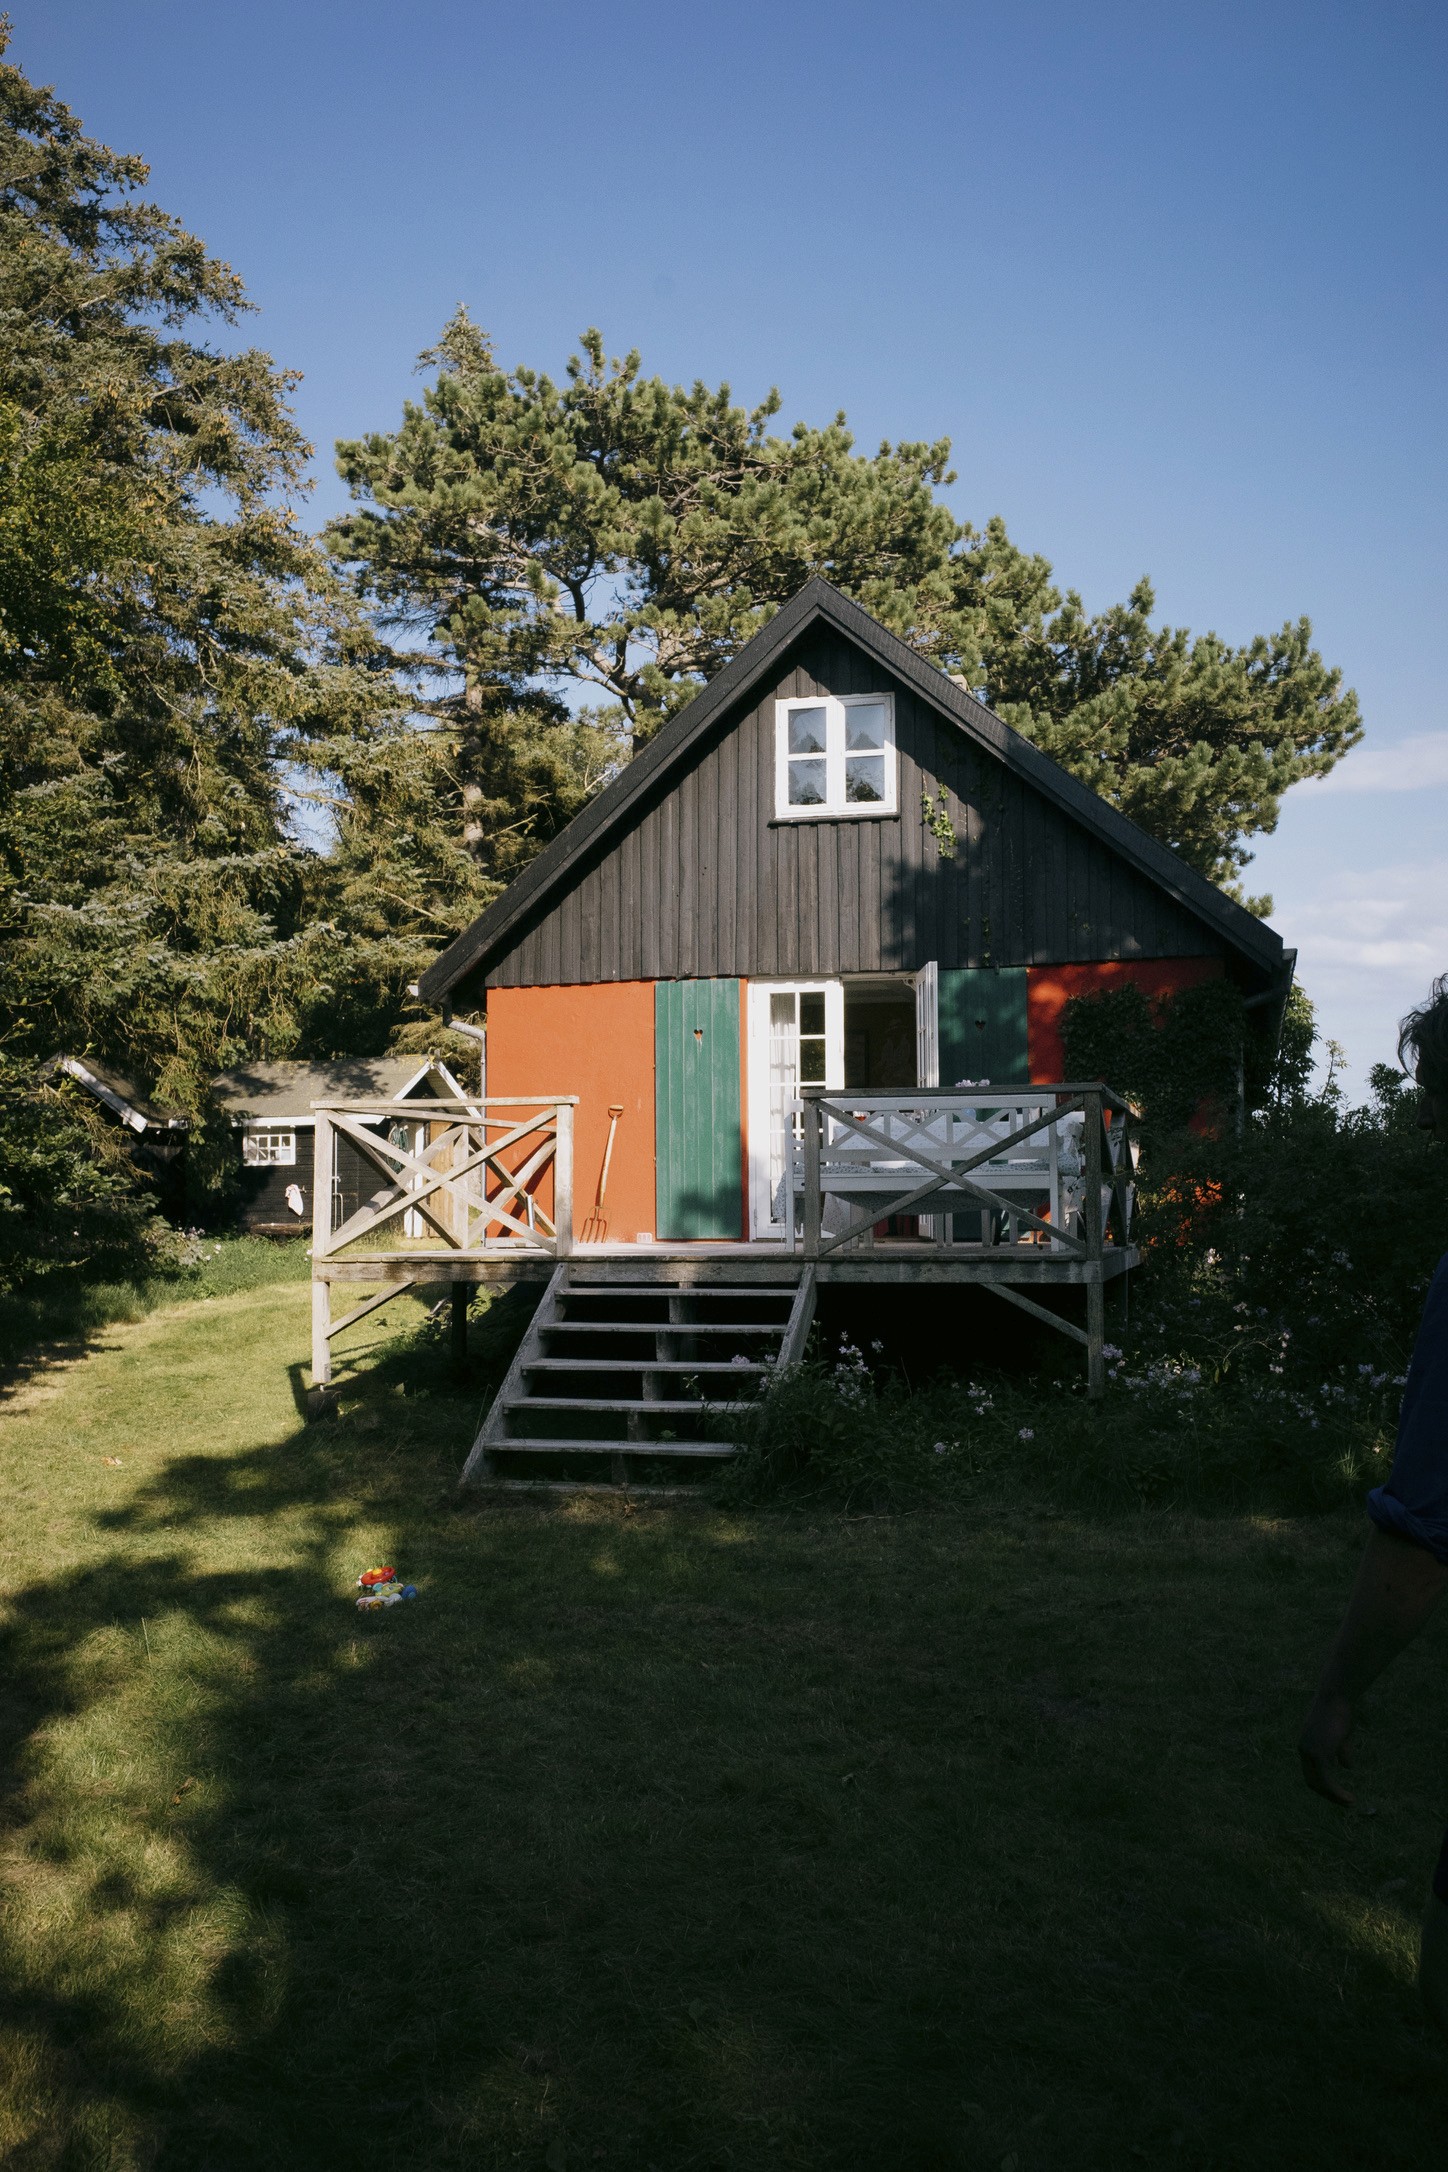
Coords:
pixel 762 1226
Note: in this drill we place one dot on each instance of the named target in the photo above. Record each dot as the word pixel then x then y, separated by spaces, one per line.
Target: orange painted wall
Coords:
pixel 596 1042
pixel 1049 988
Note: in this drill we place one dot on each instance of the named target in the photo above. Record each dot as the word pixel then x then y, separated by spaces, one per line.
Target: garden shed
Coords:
pixel 271 1108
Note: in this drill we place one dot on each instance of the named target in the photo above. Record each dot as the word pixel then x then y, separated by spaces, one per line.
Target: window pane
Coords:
pixel 812 1012
pixel 807 784
pixel 781 1010
pixel 865 724
pixel 806 731
pixel 811 1059
pixel 865 777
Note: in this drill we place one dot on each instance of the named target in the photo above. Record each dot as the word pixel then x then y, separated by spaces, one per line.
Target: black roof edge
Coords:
pixel 819 600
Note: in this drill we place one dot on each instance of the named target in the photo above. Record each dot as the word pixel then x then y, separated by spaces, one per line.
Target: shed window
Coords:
pixel 264 1149
pixel 834 756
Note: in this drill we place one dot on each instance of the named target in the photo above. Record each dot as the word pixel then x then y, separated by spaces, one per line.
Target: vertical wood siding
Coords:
pixel 596 1042
pixel 704 882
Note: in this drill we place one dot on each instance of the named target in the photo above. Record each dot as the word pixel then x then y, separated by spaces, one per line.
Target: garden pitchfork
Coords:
pixel 595 1228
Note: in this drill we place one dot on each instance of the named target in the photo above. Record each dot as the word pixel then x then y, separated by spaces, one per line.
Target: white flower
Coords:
pixel 1027 1432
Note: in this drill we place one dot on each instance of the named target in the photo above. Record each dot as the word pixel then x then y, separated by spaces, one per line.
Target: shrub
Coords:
pixel 1170 1434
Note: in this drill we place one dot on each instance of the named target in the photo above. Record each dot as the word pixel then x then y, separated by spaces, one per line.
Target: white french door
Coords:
pixel 927 1025
pixel 796 1038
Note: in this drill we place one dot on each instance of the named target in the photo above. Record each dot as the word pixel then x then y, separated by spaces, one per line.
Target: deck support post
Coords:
pixel 1095 1340
pixel 461 1292
pixel 1095 1247
pixel 321 1332
pixel 323 1149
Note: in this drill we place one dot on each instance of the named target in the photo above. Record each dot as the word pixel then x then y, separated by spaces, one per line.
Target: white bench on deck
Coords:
pixel 1041 1174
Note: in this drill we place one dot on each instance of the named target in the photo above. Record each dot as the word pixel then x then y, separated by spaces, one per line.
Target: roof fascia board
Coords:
pixel 135 1119
pixel 432 1069
pixel 817 602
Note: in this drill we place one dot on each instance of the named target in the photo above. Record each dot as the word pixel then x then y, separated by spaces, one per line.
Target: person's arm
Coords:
pixel 1398 1585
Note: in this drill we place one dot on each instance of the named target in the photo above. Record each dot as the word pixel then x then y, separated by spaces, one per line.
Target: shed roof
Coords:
pixel 272 1090
pixel 818 603
pixel 119 1094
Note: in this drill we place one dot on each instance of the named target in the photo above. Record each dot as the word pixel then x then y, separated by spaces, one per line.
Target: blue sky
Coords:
pixel 1171 278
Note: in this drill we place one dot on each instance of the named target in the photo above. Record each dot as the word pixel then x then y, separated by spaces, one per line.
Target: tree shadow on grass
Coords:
pixel 653 1837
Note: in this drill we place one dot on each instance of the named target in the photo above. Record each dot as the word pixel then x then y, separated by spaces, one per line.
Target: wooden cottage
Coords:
pixel 271 1108
pixel 756 988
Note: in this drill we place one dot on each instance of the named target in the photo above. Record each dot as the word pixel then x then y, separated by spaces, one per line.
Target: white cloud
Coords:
pixel 1369 942
pixel 1416 764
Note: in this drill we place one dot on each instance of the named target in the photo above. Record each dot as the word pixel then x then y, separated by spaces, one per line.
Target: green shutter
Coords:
pixel 983 1025
pixel 699 1143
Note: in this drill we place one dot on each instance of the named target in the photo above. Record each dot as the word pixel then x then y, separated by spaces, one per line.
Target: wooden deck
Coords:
pixel 1009 1190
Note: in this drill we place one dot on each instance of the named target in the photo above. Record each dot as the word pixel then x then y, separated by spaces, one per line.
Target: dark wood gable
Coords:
pixel 701 880
pixel 678 869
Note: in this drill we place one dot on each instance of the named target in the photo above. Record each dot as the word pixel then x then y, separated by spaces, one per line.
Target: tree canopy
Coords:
pixel 533 576
pixel 171 641
pixel 624 537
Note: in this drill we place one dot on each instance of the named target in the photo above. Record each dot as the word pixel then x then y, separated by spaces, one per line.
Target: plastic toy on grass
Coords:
pixel 381 1587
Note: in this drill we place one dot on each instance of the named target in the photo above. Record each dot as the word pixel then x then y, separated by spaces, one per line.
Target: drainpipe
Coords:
pixel 474 1033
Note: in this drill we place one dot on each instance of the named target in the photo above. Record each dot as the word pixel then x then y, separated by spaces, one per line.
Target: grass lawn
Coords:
pixel 654 1835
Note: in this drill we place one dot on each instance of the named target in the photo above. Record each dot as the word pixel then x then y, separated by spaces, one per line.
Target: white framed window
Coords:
pixel 834 756
pixel 269 1149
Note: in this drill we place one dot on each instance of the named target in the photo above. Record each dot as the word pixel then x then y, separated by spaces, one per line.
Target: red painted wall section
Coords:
pixel 1049 988
pixel 596 1042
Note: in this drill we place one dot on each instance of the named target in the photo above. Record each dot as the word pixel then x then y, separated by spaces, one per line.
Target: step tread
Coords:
pixel 745 1286
pixel 744 1368
pixel 609 1402
pixel 663 1327
pixel 733 1290
pixel 714 1448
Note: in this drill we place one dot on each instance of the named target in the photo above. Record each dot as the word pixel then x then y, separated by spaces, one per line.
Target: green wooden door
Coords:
pixel 699 1144
pixel 983 1025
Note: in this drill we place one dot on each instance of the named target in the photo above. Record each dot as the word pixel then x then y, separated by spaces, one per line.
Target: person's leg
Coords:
pixel 1433 1952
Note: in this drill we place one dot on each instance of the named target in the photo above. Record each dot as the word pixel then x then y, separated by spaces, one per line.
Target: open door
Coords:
pixel 927 1025
pixel 980 1014
pixel 796 1038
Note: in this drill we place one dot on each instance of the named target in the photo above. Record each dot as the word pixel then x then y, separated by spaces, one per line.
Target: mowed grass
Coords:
pixel 651 1835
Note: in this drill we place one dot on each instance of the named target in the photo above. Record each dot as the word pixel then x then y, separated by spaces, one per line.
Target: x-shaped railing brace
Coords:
pixel 394 1160
pixel 947 1174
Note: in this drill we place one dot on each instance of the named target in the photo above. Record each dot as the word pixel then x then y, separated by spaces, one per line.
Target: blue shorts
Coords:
pixel 1413 1500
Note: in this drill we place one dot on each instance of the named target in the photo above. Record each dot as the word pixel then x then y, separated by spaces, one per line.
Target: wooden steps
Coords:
pixel 647 1370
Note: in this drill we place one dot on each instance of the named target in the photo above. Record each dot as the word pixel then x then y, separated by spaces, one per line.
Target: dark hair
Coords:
pixel 1423 1040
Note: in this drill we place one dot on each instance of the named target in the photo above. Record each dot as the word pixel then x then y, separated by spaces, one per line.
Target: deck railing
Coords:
pixel 490 1175
pixel 996 1171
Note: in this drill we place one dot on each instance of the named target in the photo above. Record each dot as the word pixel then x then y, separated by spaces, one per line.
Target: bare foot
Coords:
pixel 1325 1745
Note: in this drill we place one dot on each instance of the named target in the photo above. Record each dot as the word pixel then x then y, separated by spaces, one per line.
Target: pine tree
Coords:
pixel 625 537
pixel 170 639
